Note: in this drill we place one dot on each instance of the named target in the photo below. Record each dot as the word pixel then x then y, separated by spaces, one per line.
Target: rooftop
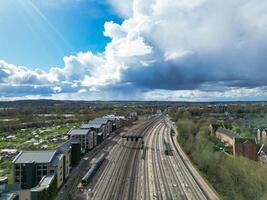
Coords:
pixel 92 124
pixel 227 132
pixel 57 159
pixel 46 180
pixel 67 145
pixel 34 156
pixel 104 119
pixel 8 196
pixel 78 132
pixel 244 140
pixel 100 120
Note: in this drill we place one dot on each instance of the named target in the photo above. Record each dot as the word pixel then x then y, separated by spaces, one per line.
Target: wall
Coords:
pixel 247 149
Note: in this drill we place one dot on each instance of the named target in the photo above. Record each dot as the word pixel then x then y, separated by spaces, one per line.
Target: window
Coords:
pixel 52 171
pixel 44 172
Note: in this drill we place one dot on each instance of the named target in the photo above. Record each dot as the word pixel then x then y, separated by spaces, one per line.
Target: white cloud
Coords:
pixel 57 89
pixel 195 41
pixel 13 75
pixel 258 93
pixel 82 91
pixel 123 8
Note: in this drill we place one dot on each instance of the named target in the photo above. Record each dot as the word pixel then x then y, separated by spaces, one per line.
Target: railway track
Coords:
pixel 175 180
pixel 120 178
pixel 155 175
pixel 163 165
pixel 192 190
pixel 169 178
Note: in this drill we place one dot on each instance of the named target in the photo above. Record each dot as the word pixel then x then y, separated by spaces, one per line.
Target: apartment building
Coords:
pixel 98 127
pixel 116 121
pixel 31 166
pixel 105 123
pixel 85 136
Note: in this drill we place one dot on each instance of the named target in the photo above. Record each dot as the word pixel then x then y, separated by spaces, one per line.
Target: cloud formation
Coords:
pixel 203 47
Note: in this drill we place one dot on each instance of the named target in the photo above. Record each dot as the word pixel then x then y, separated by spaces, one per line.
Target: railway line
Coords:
pixel 156 171
pixel 120 177
pixel 165 176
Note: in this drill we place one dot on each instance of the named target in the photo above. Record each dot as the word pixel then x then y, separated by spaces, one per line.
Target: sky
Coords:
pixel 186 50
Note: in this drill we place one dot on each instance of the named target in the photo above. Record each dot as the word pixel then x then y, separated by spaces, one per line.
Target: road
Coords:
pixel 131 172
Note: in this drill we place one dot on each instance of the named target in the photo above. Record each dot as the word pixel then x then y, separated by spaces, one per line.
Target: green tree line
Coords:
pixel 232 177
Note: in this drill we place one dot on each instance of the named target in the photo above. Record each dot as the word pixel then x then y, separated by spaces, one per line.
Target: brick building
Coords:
pixel 226 136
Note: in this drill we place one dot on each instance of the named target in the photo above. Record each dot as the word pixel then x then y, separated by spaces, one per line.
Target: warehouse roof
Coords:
pixel 34 156
pixel 78 132
pixel 227 132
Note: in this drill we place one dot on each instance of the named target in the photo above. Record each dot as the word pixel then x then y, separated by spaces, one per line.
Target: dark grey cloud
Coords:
pixel 235 69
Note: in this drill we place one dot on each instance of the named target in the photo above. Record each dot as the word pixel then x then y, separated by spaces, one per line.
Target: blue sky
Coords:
pixel 186 50
pixel 38 34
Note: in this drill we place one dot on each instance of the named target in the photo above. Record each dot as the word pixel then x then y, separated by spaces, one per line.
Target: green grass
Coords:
pixel 6 170
pixel 25 135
